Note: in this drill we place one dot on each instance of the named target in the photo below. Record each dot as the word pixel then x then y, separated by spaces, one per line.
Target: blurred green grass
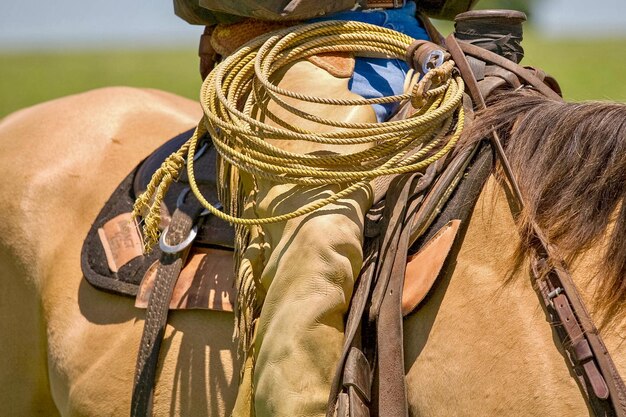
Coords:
pixel 590 69
pixel 30 78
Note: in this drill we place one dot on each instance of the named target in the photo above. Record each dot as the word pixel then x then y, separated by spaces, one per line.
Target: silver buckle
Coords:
pixel 173 249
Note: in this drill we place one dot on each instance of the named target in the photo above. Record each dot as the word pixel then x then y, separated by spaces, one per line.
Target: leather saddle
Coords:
pixel 112 256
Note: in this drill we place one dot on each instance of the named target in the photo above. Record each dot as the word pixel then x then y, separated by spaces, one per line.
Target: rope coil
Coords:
pixel 240 87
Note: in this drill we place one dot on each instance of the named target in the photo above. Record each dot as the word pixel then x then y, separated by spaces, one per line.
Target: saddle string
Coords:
pixel 241 85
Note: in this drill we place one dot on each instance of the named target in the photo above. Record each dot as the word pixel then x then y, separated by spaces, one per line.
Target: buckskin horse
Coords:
pixel 478 344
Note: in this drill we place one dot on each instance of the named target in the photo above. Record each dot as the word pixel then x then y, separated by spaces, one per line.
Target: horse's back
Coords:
pixel 60 161
pixel 73 151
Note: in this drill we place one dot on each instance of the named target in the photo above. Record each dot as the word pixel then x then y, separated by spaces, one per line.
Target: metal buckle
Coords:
pixel 173 249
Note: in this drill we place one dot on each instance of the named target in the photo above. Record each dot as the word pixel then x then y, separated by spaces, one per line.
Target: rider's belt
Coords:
pixel 382 4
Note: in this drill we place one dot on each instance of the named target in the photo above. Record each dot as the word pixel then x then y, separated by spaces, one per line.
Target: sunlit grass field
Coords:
pixel 593 69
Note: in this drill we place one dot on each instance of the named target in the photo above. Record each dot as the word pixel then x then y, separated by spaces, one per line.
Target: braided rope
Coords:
pixel 240 85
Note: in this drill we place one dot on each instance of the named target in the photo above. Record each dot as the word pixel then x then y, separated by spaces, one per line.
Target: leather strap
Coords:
pixel 459 205
pixel 578 334
pixel 359 300
pixel 391 393
pixel 459 58
pixel 463 65
pixel 420 185
pixel 579 345
pixel 383 4
pixel 391 396
pixel 441 191
pixel 363 291
pixel 357 381
pixel 169 268
pixel 357 374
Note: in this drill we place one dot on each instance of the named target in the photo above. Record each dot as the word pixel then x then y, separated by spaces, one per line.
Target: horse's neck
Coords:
pixel 482 344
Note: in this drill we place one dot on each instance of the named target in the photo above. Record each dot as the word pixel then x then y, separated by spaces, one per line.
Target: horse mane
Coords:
pixel 570 162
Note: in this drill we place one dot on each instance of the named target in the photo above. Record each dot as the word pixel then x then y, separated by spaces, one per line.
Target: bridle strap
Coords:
pixel 580 336
pixel 556 288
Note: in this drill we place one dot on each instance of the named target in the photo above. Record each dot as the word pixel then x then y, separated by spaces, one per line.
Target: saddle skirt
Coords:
pixel 113 258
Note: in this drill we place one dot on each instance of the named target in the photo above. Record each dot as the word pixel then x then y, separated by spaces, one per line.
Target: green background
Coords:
pixel 586 69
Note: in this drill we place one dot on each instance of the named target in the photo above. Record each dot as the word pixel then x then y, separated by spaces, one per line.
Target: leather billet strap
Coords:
pixel 587 352
pixel 455 200
pixel 170 265
pixel 391 242
pixel 402 189
pixel 391 399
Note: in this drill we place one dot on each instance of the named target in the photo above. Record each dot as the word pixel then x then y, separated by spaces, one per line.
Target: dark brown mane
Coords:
pixel 570 162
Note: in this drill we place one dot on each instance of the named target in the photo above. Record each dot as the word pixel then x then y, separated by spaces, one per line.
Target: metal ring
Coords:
pixel 183 195
pixel 173 249
pixel 433 60
pixel 217 205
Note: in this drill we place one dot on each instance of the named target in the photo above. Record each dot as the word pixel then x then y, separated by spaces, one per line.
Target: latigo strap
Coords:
pixel 170 265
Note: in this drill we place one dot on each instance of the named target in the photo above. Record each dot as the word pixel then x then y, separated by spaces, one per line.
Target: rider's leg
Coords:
pixel 305 268
pixel 308 280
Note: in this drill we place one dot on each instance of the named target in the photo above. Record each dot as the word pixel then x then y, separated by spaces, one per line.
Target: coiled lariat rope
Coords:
pixel 240 86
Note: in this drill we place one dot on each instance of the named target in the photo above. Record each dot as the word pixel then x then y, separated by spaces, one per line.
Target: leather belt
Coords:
pixel 382 4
